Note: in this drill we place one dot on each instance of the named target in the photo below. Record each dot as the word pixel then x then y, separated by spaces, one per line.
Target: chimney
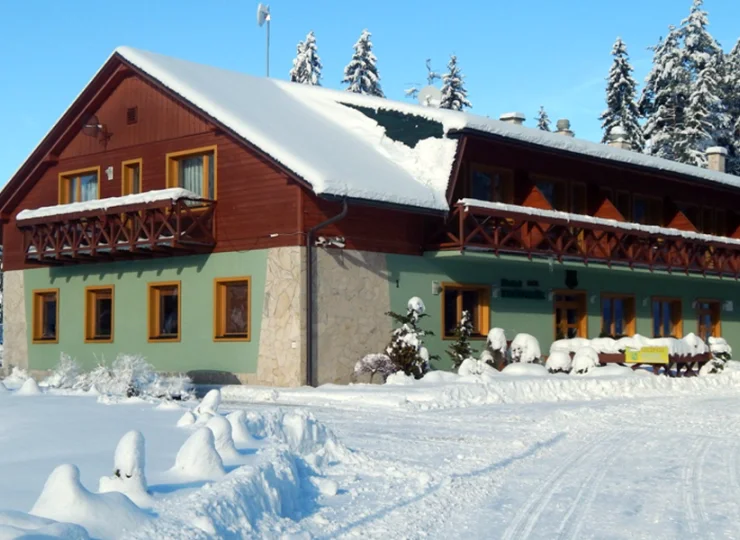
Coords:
pixel 563 128
pixel 618 138
pixel 717 158
pixel 513 118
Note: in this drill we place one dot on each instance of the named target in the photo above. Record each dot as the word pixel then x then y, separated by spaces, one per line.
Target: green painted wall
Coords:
pixel 196 349
pixel 413 276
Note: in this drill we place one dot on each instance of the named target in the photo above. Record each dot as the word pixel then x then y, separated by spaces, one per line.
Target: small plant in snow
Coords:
pixel 720 348
pixel 558 362
pixel 460 349
pixel 714 366
pixel 64 374
pixel 375 363
pixel 585 359
pixel 525 348
pixel 406 349
pixel 495 352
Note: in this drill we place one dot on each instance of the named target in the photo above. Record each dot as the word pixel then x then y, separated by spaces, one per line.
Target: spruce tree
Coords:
pixel 543 120
pixel 731 95
pixel 307 64
pixel 460 349
pixel 621 90
pixel 699 45
pixel 361 74
pixel 454 94
pixel 406 349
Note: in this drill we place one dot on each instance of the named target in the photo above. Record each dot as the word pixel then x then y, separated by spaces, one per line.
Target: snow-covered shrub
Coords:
pixel 585 359
pixel 460 349
pixel 129 464
pixel 375 363
pixel 476 368
pixel 64 374
pixel 695 344
pixel 16 378
pixel 559 361
pixel 239 431
pixel 399 378
pixel 569 345
pixel 223 438
pixel 525 348
pixel 495 352
pixel 210 403
pixel 187 419
pixel 720 348
pixel 198 459
pixel 406 349
pixel 29 388
pixel 714 366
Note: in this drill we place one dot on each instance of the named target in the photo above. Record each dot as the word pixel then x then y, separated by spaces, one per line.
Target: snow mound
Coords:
pixel 65 499
pixel 16 378
pixel 416 304
pixel 615 370
pixel 399 378
pixel 210 402
pixel 436 377
pixel 3 388
pixel 239 431
pixel 720 347
pixel 605 345
pixel 223 440
pixel 476 369
pixel 568 345
pixel 695 344
pixel 187 419
pixel 496 340
pixel 198 459
pixel 585 359
pixel 525 370
pixel 559 361
pixel 18 525
pixel 129 463
pixel 525 348
pixel 29 388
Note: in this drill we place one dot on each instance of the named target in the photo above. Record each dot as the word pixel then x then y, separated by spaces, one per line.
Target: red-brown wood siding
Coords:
pixel 607 210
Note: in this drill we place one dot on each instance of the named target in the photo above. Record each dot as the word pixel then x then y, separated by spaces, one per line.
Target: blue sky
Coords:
pixel 516 55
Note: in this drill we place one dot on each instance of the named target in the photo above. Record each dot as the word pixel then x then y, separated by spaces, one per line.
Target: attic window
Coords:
pixel 132 115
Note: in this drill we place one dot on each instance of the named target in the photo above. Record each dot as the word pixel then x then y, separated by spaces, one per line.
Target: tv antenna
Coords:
pixel 263 16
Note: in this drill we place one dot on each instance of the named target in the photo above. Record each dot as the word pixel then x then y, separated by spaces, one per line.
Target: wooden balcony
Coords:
pixel 122 230
pixel 509 229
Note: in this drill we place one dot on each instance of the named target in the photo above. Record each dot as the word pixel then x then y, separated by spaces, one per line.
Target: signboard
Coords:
pixel 646 355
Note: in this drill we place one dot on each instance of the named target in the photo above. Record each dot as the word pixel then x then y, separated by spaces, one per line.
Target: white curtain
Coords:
pixel 89 187
pixel 191 174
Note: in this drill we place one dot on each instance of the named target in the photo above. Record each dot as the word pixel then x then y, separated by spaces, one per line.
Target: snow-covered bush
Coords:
pixel 16 378
pixel 129 464
pixel 714 366
pixel 720 348
pixel 559 361
pixel 495 352
pixel 375 363
pixel 198 459
pixel 585 359
pixel 471 367
pixel 29 388
pixel 223 438
pixel 460 349
pixel 210 403
pixel 406 349
pixel 64 374
pixel 525 348
pixel 695 344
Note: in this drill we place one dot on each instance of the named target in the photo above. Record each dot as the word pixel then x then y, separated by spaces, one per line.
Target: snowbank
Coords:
pixel 18 525
pixel 239 431
pixel 29 388
pixel 687 346
pixel 525 370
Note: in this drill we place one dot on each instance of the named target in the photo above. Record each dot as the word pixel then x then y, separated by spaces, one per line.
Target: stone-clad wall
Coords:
pixel 15 335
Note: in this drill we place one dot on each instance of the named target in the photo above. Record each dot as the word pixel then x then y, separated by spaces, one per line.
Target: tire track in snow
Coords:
pixel 698 481
pixel 530 512
pixel 688 477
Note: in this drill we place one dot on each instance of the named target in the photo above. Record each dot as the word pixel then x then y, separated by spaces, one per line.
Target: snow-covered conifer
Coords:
pixel 621 90
pixel 361 74
pixel 731 98
pixel 454 94
pixel 406 349
pixel 307 64
pixel 460 349
pixel 700 47
pixel 543 120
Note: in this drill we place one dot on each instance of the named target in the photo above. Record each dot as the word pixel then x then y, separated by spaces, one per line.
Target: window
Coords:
pixel 667 319
pixel 570 314
pixel 623 204
pixel 647 210
pixel 617 315
pixel 99 314
pixel 45 316
pixel 79 186
pixel 131 177
pixel 554 191
pixel 578 201
pixel 164 311
pixel 489 184
pixel 459 298
pixel 231 309
pixel 708 316
pixel 194 170
pixel 720 223
pixel 692 213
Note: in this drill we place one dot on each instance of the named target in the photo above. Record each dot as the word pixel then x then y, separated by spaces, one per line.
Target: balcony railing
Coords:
pixel 122 229
pixel 509 229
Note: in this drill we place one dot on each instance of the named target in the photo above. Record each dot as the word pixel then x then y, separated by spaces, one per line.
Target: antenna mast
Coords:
pixel 263 16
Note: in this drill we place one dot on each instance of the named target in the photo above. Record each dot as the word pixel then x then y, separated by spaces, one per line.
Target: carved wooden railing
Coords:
pixel 519 232
pixel 168 227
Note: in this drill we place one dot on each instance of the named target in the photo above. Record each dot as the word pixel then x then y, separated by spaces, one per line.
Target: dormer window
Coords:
pixel 79 186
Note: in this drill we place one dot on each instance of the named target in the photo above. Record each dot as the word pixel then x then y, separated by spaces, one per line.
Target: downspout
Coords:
pixel 309 289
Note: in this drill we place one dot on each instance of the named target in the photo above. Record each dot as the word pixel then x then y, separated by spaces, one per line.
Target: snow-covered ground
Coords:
pixel 512 456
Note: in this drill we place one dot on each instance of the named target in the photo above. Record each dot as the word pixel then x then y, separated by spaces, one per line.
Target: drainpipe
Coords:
pixel 309 289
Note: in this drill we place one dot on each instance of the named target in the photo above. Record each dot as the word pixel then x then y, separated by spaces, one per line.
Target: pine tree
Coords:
pixel 699 46
pixel 543 120
pixel 621 90
pixel 731 95
pixel 460 349
pixel 454 94
pixel 664 97
pixel 307 64
pixel 406 349
pixel 361 74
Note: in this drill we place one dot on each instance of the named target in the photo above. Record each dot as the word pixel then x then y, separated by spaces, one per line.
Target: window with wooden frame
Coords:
pixel 457 298
pixel 578 200
pixel 708 318
pixel 131 177
pixel 570 314
pixel 99 314
pixel 79 186
pixel 164 311
pixel 667 317
pixel 194 170
pixel 45 316
pixel 622 204
pixel 554 190
pixel 647 210
pixel 720 223
pixel 692 213
pixel 491 184
pixel 231 309
pixel 617 315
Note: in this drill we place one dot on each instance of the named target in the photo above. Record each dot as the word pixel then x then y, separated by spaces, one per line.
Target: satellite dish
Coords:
pixel 92 126
pixel 263 14
pixel 430 96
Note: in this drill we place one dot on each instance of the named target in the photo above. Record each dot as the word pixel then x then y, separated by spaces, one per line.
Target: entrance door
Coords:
pixel 570 314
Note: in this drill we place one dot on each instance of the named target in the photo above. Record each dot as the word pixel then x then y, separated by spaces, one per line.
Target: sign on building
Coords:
pixel 646 355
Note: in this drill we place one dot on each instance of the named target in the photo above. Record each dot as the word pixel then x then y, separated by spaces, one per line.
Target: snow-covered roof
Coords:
pixel 160 195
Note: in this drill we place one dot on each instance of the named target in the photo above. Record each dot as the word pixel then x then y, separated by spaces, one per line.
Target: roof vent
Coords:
pixel 513 118
pixel 563 127
pixel 132 115
pixel 618 138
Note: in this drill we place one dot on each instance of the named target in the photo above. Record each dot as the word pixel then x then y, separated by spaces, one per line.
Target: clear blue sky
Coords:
pixel 516 54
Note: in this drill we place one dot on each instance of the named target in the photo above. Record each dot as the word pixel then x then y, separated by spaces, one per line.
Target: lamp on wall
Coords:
pixel 549 295
pixel 495 292
pixel 592 299
pixel 728 306
pixel 645 302
pixel 109 173
pixel 436 288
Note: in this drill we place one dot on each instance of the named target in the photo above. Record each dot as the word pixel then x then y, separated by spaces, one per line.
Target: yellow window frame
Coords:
pixel 39 298
pixel 220 286
pixel 91 314
pixel 483 308
pixel 63 193
pixel 155 292
pixel 127 179
pixel 172 162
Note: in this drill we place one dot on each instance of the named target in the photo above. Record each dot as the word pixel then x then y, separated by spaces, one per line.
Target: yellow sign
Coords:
pixel 647 355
